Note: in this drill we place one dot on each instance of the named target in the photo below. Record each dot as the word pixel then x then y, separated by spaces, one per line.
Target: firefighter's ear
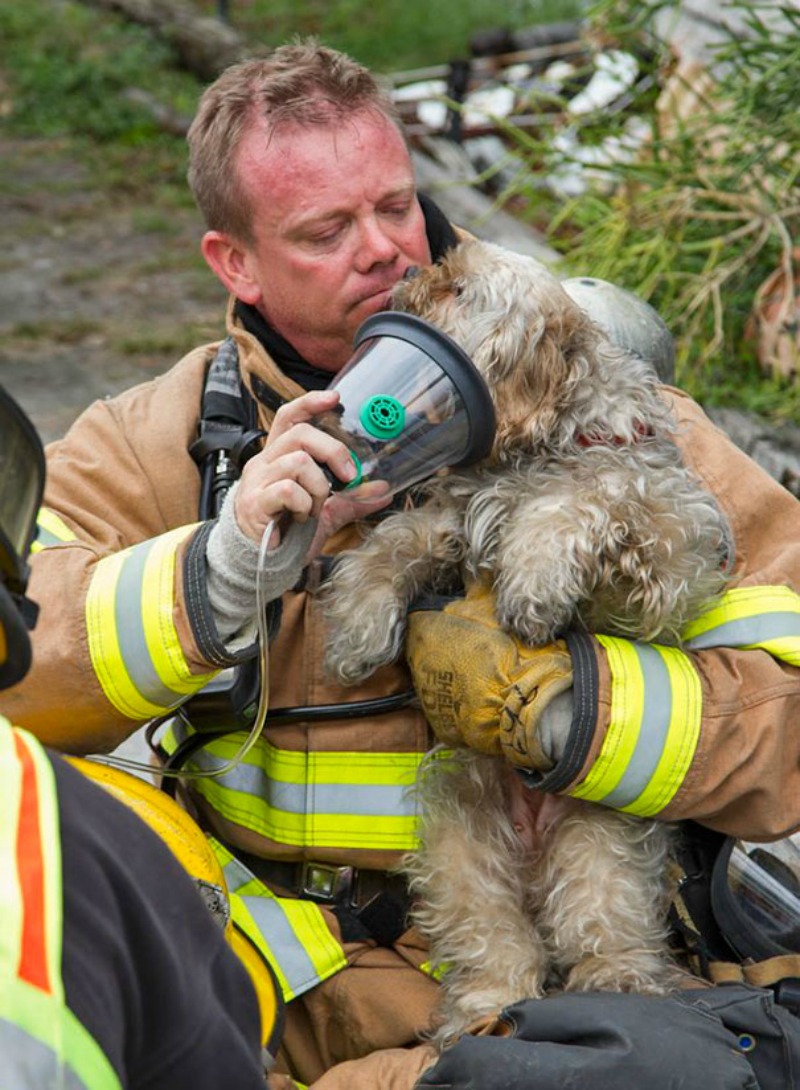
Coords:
pixel 231 262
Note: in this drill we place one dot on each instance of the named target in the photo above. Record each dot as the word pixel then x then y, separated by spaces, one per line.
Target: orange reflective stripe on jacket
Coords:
pixel 41 1042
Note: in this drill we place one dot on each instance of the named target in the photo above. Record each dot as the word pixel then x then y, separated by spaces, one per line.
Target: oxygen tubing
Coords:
pixel 264 579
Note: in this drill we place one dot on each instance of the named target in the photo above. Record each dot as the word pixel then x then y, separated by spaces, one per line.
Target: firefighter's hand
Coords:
pixel 290 479
pixel 286 478
pixel 480 687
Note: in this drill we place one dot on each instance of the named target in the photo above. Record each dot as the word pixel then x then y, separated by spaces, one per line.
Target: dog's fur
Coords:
pixel 582 515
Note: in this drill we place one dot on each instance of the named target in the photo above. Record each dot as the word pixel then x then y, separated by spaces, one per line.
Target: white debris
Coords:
pixel 615 72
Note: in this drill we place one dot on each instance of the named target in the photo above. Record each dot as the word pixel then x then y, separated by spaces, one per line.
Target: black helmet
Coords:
pixel 22 472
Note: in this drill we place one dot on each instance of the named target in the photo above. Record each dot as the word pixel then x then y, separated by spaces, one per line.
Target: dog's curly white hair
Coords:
pixel 583 514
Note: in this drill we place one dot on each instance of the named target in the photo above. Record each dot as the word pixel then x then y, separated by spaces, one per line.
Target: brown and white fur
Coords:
pixel 583 515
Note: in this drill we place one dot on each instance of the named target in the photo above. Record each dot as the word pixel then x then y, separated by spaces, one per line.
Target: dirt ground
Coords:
pixel 95 296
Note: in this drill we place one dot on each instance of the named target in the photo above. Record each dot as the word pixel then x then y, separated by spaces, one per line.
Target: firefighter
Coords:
pixel 148 562
pixel 113 971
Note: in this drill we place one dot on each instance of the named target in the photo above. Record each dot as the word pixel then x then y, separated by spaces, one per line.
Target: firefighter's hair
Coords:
pixel 301 84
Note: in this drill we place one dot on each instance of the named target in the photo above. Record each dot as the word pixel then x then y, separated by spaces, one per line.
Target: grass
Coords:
pixel 669 232
pixel 68 330
pixel 391 35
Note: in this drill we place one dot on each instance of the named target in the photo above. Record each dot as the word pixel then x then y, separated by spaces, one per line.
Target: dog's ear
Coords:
pixel 553 356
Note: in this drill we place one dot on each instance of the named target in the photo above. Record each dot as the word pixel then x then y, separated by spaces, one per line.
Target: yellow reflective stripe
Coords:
pixel 627 704
pixel 308 830
pixel 291 934
pixel 51 530
pixel 158 600
pixel 104 649
pixel 339 799
pixel 86 1057
pixel 245 922
pixel 653 730
pixel 38 1013
pixel 656 696
pixel 133 642
pixel 682 738
pixel 44 1019
pixel 766 617
pixel 787 648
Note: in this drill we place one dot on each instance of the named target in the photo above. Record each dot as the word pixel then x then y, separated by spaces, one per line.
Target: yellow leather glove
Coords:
pixel 479 686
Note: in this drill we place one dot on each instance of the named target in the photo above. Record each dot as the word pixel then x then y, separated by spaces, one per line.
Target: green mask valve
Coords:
pixel 411 403
pixel 383 416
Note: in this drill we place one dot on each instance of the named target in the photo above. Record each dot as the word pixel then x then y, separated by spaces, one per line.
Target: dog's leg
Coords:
pixel 467 881
pixel 606 909
pixel 368 594
pixel 544 562
pixel 608 903
pixel 635 556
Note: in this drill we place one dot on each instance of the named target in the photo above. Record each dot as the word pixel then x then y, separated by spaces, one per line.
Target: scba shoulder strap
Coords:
pixel 227 434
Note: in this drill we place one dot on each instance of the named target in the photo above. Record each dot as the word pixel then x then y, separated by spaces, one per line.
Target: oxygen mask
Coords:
pixel 412 403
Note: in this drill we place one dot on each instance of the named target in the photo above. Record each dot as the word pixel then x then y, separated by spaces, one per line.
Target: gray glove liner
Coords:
pixel 233 570
pixel 555 725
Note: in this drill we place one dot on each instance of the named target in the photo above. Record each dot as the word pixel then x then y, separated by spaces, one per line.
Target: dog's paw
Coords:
pixel 641 973
pixel 526 625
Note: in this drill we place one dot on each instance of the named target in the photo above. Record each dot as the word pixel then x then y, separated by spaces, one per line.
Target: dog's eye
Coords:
pixel 458 289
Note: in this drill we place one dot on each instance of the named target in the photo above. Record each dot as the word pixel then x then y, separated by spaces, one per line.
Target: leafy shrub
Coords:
pixel 709 206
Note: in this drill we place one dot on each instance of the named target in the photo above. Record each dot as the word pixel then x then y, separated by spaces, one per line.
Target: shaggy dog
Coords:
pixel 583 515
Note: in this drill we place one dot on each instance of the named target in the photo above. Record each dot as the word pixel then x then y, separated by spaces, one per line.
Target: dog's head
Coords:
pixel 545 361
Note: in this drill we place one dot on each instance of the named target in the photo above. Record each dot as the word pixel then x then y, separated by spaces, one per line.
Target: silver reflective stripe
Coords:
pixel 28 1064
pixel 45 539
pixel 653 729
pixel 748 631
pixel 128 613
pixel 365 800
pixel 295 964
pixel 643 689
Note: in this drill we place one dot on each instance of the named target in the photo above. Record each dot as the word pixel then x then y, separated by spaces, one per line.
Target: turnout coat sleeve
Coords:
pixel 120 509
pixel 707 731
pixel 710 730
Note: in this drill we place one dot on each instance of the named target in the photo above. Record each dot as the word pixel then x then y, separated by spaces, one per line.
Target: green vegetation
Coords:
pixel 708 208
pixel 390 35
pixel 67 69
pixel 706 211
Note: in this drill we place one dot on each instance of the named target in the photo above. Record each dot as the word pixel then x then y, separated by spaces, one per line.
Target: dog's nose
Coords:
pixel 411 272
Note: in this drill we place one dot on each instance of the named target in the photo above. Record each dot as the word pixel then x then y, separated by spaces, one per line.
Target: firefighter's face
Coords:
pixel 336 223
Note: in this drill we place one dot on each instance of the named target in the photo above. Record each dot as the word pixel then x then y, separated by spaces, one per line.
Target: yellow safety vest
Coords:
pixel 42 1043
